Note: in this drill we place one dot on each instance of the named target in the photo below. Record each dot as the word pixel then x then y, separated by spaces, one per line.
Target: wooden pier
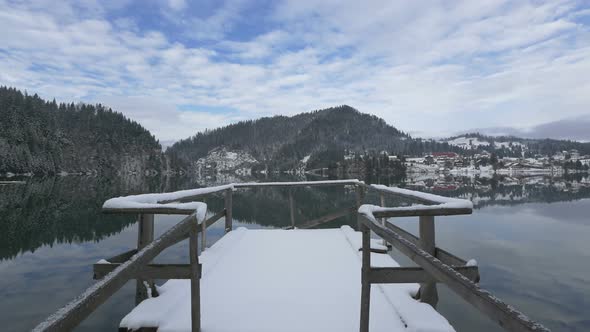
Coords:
pixel 292 279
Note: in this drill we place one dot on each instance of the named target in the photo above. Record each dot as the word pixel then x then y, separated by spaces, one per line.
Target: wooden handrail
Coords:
pixel 506 316
pixel 436 265
pixel 297 184
pixel 77 310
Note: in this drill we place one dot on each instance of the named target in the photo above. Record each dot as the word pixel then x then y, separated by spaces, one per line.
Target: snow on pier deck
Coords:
pixel 286 280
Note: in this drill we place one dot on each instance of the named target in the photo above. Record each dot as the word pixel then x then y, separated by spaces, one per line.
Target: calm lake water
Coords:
pixel 531 237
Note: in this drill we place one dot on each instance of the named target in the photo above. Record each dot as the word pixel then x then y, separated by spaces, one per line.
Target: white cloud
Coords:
pixel 423 66
pixel 177 4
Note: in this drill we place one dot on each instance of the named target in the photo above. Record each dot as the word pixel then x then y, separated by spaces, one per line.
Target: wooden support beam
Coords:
pixel 428 292
pixel 203 229
pixel 292 208
pixel 228 210
pixel 402 275
pixel 327 218
pixel 430 211
pixel 383 220
pixel 448 258
pixel 121 258
pixel 74 312
pixel 145 235
pixel 150 271
pixel 195 278
pixel 492 307
pixel 426 229
pixel 365 277
pixel 359 197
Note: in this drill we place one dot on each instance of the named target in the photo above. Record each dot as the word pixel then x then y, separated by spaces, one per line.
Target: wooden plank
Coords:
pixel 426 211
pixel 327 218
pixel 402 275
pixel 228 210
pixel 68 317
pixel 121 258
pixel 498 311
pixel 448 258
pixel 150 271
pixel 365 278
pixel 195 278
pixel 214 219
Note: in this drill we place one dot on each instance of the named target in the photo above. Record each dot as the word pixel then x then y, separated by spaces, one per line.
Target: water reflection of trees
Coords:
pixel 67 209
pixel 61 210
pixel 270 206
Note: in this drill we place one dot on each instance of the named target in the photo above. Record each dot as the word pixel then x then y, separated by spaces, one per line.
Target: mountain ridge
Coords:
pixel 44 137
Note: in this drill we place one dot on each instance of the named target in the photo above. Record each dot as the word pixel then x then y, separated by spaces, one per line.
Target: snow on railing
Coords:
pixel 438 204
pixel 163 201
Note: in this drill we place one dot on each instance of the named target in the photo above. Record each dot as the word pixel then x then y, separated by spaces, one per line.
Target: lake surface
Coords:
pixel 530 236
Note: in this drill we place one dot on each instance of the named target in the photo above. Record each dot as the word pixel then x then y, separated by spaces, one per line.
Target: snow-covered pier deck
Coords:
pixel 294 279
pixel 286 280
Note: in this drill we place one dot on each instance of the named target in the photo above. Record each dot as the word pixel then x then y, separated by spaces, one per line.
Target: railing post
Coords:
pixel 360 195
pixel 292 208
pixel 383 220
pixel 228 211
pixel 428 292
pixel 203 236
pixel 365 271
pixel 145 235
pixel 195 278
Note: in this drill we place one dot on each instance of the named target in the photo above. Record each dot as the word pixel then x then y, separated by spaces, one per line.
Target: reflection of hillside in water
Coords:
pixel 506 190
pixel 62 209
pixel 67 209
pixel 270 206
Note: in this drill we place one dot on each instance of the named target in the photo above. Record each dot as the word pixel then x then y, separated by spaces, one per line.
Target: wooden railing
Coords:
pixel 435 264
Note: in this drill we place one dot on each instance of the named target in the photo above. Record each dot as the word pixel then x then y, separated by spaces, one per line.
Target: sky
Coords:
pixel 429 68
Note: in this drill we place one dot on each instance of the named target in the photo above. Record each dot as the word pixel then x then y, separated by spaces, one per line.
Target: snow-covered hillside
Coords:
pixel 467 142
pixel 470 143
pixel 222 160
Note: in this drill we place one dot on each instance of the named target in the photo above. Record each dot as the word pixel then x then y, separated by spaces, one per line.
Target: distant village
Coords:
pixel 485 162
pixel 477 160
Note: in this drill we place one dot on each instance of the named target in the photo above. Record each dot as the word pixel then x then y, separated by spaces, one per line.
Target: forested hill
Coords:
pixel 511 146
pixel 322 136
pixel 44 137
